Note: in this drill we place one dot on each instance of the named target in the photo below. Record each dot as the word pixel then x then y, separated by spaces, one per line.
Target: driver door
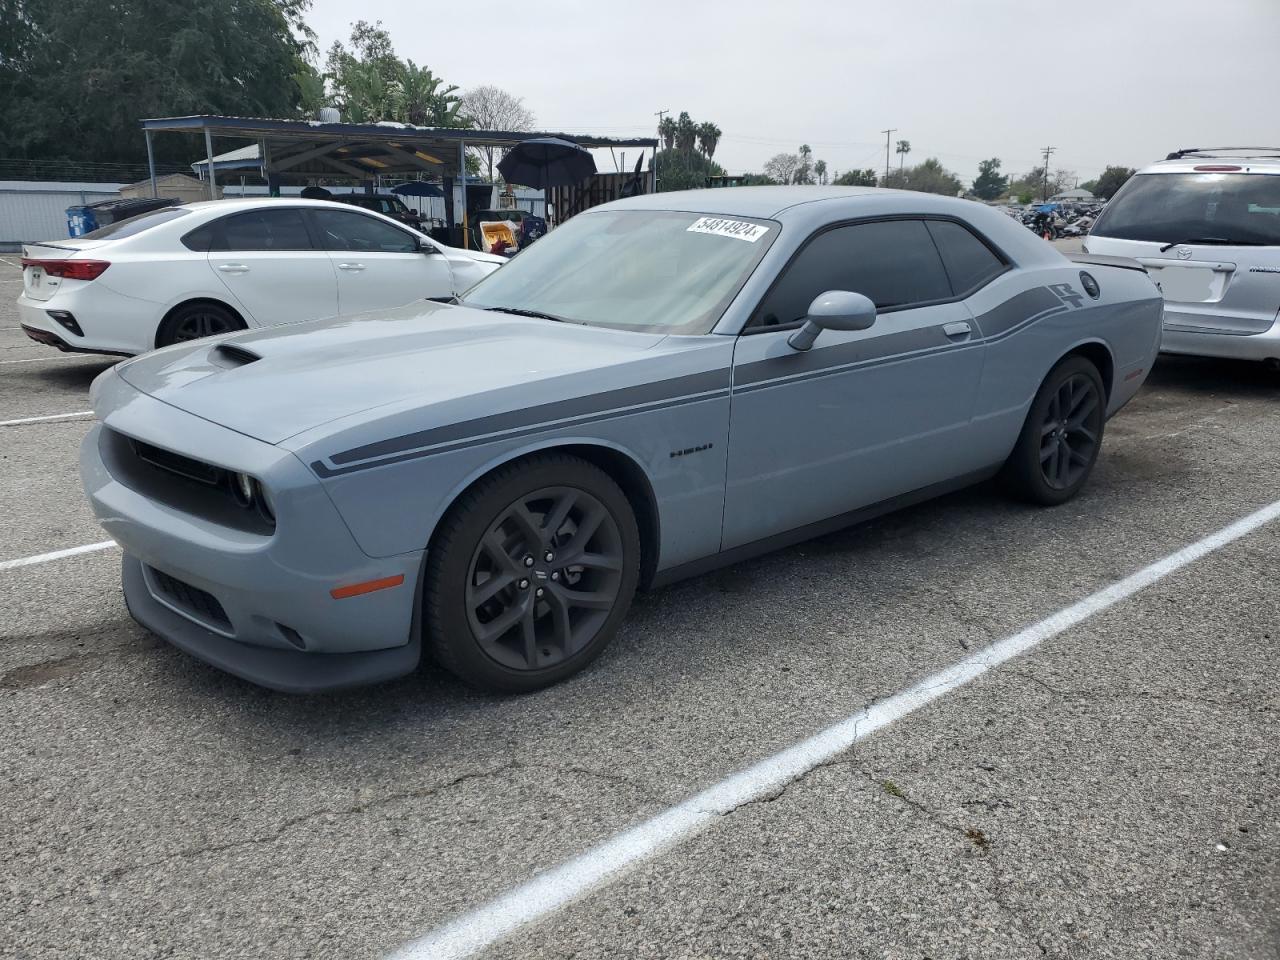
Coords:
pixel 863 416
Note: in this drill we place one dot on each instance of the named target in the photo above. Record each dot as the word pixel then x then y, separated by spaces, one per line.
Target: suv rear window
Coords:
pixel 1217 208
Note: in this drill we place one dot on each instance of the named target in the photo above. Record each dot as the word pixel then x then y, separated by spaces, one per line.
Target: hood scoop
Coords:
pixel 228 355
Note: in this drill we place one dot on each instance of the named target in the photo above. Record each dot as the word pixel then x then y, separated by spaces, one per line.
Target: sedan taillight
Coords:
pixel 70 269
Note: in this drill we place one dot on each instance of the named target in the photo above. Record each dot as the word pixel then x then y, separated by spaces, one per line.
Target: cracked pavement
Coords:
pixel 1112 794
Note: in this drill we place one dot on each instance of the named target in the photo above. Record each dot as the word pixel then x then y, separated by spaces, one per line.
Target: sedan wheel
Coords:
pixel 1062 435
pixel 196 321
pixel 530 573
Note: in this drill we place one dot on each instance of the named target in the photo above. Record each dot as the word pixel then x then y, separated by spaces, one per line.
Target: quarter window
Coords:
pixel 264 230
pixel 356 232
pixel 970 263
pixel 893 262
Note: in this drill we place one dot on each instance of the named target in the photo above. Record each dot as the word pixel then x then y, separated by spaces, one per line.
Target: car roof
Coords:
pixel 1248 159
pixel 763 202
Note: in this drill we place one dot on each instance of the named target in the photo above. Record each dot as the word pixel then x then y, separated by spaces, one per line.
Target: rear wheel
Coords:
pixel 192 321
pixel 1062 435
pixel 531 573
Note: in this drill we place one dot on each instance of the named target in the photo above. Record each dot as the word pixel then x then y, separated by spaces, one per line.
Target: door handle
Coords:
pixel 957 329
pixel 233 268
pixel 354 267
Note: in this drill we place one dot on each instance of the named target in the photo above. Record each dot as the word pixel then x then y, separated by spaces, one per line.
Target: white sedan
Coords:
pixel 194 270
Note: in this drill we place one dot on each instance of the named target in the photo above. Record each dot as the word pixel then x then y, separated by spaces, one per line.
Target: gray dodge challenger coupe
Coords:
pixel 660 386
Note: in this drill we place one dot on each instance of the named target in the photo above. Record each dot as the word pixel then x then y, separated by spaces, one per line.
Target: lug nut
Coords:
pixel 555 574
pixel 549 557
pixel 528 561
pixel 524 584
pixel 539 592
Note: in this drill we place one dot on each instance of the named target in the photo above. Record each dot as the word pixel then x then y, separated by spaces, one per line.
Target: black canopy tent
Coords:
pixel 304 149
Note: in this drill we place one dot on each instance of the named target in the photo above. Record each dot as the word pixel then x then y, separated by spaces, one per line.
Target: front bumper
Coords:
pixel 253 603
pixel 290 671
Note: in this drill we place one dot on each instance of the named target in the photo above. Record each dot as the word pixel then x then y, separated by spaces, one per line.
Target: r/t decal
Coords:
pixel 1066 293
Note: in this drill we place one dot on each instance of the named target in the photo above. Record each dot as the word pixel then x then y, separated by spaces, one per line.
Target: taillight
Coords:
pixel 71 269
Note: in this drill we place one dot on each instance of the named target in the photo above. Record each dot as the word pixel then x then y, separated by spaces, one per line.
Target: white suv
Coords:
pixel 1206 224
pixel 203 268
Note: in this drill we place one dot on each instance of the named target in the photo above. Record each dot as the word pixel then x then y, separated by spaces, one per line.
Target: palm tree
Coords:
pixel 708 137
pixel 686 133
pixel 667 131
pixel 419 99
pixel 904 147
pixel 820 171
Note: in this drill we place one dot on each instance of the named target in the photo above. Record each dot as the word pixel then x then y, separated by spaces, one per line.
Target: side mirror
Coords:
pixel 427 249
pixel 833 310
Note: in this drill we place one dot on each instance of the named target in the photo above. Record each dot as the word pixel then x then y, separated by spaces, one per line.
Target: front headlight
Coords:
pixel 243 488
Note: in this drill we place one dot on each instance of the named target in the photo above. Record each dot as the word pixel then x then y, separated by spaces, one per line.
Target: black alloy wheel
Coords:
pixel 1061 436
pixel 530 573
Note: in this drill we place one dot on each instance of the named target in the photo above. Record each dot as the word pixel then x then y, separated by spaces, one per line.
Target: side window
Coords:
pixel 202 238
pixel 893 262
pixel 970 263
pixel 265 230
pixel 341 230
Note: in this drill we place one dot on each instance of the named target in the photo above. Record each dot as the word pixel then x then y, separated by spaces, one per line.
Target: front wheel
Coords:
pixel 531 573
pixel 1062 435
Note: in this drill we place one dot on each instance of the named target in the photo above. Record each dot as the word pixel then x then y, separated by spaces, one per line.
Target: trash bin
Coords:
pixel 80 220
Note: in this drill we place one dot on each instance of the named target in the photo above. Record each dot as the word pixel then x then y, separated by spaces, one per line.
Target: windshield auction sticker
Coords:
pixel 738 229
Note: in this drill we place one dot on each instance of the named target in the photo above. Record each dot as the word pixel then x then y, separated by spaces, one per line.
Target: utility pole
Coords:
pixel 660 114
pixel 1048 152
pixel 887 135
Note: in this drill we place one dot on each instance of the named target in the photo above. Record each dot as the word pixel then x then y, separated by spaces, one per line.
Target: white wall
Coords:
pixel 36 209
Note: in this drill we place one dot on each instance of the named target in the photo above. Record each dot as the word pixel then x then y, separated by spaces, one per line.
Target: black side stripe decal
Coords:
pixel 998 323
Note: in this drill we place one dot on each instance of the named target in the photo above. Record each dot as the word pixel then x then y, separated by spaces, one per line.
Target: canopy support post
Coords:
pixel 151 165
pixel 213 179
pixel 462 186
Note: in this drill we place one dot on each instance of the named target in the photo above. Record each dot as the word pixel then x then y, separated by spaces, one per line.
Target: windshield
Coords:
pixel 1221 208
pixel 653 271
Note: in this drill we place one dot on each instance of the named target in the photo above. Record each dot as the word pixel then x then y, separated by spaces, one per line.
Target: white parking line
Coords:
pixel 56 555
pixel 43 359
pixel 78 415
pixel 557 887
pixel 10 263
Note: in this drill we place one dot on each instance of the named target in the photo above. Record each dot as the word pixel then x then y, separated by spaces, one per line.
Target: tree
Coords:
pixel 927 177
pixel 491 108
pixel 76 75
pixel 667 133
pixel 686 133
pixel 804 168
pixel 756 180
pixel 781 167
pixel 708 138
pixel 681 170
pixel 1111 180
pixel 989 184
pixel 368 83
pixel 820 171
pixel 1091 186
pixel 1028 184
pixel 904 147
pixel 856 178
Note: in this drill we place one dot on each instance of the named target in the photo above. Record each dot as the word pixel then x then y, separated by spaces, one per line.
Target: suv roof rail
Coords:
pixel 1210 151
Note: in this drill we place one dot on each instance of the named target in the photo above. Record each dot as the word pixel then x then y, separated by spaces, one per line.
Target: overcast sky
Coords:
pixel 1104 81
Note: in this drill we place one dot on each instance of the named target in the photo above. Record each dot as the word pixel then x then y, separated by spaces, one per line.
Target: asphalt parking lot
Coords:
pixel 1112 792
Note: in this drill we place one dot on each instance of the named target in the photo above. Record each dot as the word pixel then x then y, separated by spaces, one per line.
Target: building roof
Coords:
pixel 363 150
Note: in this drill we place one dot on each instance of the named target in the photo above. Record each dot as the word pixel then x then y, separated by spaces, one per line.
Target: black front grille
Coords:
pixel 191 599
pixel 197 470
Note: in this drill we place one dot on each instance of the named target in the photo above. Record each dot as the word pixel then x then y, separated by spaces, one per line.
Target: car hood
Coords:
pixel 276 383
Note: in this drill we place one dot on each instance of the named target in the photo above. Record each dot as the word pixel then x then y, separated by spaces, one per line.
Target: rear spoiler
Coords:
pixel 1098 260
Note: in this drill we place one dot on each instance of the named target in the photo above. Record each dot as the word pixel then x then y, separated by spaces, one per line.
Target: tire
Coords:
pixel 1061 437
pixel 193 321
pixel 500 615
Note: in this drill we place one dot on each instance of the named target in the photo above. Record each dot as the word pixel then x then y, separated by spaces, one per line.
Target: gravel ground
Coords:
pixel 1113 793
